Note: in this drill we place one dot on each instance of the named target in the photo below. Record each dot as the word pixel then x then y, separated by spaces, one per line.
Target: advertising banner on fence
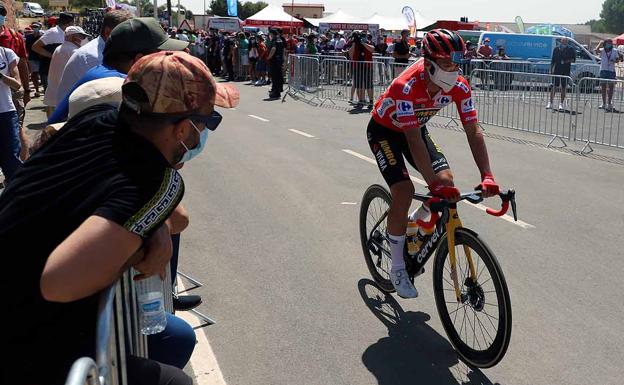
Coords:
pixel 373 29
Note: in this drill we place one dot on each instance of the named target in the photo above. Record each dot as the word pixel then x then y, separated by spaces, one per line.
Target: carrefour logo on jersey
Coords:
pixel 404 108
pixel 383 107
pixel 467 105
pixel 442 101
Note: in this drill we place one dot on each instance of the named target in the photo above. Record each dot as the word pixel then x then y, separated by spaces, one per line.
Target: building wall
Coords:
pixel 301 11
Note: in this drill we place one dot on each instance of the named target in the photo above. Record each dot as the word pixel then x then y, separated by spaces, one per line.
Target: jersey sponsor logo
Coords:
pixel 442 101
pixel 384 156
pixel 383 107
pixel 404 108
pixel 423 116
pixel 408 86
pixel 462 86
pixel 470 119
pixel 467 105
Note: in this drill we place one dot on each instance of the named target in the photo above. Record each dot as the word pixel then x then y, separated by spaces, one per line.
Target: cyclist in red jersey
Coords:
pixel 397 131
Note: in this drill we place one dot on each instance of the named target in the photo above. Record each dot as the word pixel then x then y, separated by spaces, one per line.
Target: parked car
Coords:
pixel 32 10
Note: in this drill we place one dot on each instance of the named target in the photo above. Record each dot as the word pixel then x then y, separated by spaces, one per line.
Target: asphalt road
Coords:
pixel 274 237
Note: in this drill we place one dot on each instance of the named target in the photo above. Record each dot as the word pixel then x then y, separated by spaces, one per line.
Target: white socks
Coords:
pixel 397 244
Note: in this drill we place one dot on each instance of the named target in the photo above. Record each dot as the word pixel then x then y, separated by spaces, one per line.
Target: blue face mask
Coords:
pixel 2 19
pixel 193 152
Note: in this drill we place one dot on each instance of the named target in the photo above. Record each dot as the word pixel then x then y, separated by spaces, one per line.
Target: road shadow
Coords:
pixel 413 352
pixel 360 110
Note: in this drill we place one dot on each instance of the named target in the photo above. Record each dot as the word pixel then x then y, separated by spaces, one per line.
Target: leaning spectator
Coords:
pixel 485 51
pixel 10 147
pixel 91 54
pixel 33 57
pixel 75 37
pixel 51 39
pixel 608 58
pixel 501 54
pixel 471 51
pixel 310 47
pixel 127 43
pixel 561 64
pixel 122 170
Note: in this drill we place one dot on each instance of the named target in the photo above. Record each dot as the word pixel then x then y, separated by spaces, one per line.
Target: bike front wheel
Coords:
pixel 479 326
pixel 373 219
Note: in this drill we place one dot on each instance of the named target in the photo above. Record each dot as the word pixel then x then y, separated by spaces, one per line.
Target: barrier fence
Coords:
pixel 510 99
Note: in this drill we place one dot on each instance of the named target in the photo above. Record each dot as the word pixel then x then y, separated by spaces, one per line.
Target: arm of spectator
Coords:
pixel 273 50
pixel 24 71
pixel 369 47
pixel 39 47
pixel 352 51
pixel 12 81
pixel 87 261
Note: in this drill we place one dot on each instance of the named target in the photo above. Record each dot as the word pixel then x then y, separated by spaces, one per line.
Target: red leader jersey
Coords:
pixel 406 104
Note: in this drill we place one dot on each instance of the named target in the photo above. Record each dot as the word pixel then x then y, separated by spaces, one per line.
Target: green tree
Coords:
pixel 597 26
pixel 219 8
pixel 613 15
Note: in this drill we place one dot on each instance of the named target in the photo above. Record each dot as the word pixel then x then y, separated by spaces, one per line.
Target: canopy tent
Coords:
pixel 272 16
pixel 387 23
pixel 336 17
pixel 550 29
pixel 618 40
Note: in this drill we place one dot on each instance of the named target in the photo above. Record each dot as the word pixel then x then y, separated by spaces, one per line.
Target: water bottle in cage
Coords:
pixel 150 300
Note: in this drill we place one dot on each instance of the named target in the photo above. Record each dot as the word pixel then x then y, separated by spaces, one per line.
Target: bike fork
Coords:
pixel 454 223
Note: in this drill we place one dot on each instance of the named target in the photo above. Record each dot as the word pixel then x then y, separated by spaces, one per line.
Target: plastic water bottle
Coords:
pixel 151 306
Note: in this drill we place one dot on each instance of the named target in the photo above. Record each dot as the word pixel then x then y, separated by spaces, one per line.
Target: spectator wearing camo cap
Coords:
pixel 115 187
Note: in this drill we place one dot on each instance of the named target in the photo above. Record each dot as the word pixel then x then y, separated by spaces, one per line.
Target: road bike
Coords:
pixel 468 283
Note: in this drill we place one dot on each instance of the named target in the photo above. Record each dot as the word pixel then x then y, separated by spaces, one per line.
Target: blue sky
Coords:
pixel 555 11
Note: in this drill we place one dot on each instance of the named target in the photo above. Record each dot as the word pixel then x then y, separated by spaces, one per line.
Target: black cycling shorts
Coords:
pixel 390 147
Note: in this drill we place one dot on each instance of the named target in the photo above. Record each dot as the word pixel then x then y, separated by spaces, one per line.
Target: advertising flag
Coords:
pixel 410 17
pixel 520 24
pixel 232 7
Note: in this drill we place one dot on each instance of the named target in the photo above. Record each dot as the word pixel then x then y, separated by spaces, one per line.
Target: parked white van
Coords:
pixel 32 10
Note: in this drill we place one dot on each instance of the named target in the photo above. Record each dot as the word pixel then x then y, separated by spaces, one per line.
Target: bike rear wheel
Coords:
pixel 375 204
pixel 480 326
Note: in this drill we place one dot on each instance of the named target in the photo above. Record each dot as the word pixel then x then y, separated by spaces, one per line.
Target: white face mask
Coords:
pixel 443 79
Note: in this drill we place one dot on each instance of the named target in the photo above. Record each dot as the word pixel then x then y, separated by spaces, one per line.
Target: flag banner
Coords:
pixel 520 24
pixel 410 17
pixel 232 7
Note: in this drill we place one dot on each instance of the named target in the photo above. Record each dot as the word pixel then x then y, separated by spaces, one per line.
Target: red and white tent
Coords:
pixel 272 16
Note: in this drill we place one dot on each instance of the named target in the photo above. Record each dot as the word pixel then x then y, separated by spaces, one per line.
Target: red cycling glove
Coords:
pixel 445 192
pixel 488 185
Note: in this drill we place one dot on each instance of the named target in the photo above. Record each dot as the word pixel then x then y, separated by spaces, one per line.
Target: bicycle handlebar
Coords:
pixel 437 204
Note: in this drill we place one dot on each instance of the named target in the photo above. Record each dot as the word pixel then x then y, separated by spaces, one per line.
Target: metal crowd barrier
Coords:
pixel 518 101
pixel 596 125
pixel 117 332
pixel 335 78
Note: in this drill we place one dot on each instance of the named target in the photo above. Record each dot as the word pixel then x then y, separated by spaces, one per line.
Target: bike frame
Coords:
pixel 446 224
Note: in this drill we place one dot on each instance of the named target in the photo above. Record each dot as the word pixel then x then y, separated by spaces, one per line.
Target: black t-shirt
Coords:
pixel 30 40
pixel 92 166
pixel 381 48
pixel 278 43
pixel 227 46
pixel 401 47
pixel 559 56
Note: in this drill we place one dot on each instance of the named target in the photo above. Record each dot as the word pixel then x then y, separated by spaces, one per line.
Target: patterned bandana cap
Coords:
pixel 175 83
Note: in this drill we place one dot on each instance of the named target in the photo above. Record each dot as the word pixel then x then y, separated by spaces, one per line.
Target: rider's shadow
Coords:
pixel 413 352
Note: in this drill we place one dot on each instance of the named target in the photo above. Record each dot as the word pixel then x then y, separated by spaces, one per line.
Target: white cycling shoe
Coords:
pixel 402 284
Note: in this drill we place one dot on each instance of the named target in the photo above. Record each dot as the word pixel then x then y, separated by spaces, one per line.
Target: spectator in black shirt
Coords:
pixel 561 63
pixel 276 59
pixel 98 197
pixel 229 49
pixel 381 47
pixel 33 57
pixel 401 52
